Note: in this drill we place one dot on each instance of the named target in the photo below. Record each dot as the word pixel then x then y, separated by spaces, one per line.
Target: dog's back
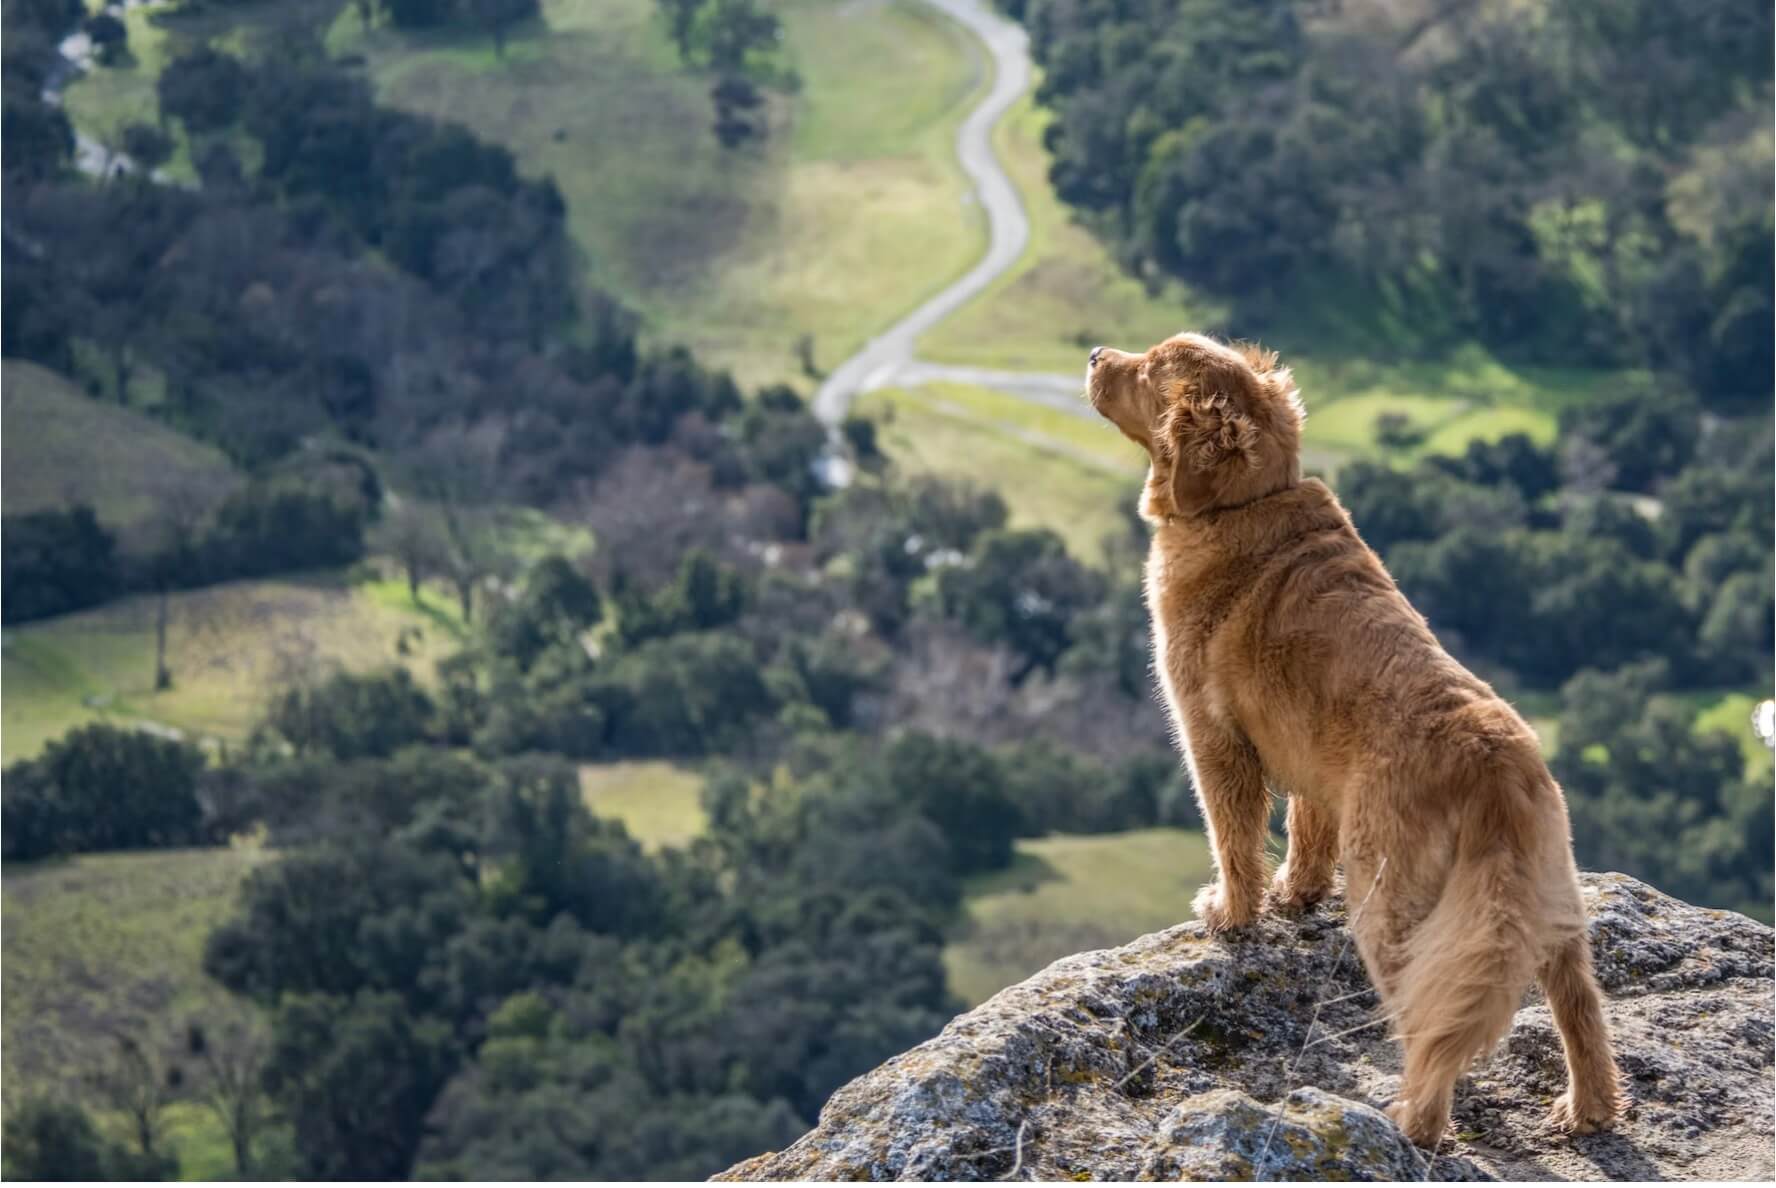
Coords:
pixel 1299 632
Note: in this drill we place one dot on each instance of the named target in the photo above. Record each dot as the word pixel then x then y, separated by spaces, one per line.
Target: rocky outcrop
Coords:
pixel 1262 1057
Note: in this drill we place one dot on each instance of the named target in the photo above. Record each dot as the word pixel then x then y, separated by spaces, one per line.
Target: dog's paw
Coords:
pixel 1214 910
pixel 1425 1131
pixel 1570 1117
pixel 1290 895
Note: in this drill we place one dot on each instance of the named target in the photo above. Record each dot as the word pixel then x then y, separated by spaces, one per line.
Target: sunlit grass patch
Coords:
pixel 433 601
pixel 229 648
pixel 1350 424
pixel 660 804
pixel 1053 470
pixel 200 1142
pixel 1490 424
pixel 107 98
pixel 846 216
pixel 1066 894
pixel 1731 715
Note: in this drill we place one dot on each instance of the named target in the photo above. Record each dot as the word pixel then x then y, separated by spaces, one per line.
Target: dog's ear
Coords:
pixel 1209 427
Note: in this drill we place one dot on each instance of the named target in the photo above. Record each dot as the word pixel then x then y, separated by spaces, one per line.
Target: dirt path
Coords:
pixel 891 358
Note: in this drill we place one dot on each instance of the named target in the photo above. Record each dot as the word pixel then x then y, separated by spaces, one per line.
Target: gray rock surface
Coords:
pixel 1184 1057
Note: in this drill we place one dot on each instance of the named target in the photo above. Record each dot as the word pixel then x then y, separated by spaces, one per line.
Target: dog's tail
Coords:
pixel 1469 961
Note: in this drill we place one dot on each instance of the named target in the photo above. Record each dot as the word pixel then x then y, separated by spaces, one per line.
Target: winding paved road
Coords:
pixel 890 358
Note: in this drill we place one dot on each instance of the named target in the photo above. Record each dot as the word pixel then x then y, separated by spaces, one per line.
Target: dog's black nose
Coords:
pixel 1093 358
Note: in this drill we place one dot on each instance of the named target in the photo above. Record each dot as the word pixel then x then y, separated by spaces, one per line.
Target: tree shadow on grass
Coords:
pixel 1026 873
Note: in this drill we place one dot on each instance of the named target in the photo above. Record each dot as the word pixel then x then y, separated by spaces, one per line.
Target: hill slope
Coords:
pixel 736 253
pixel 59 447
pixel 229 647
pixel 107 940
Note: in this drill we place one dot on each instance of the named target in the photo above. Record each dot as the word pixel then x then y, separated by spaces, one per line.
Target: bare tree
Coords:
pixel 804 349
pixel 139 1084
pixel 173 532
pixel 456 471
pixel 231 1052
pixel 1585 466
pixel 413 535
pixel 648 508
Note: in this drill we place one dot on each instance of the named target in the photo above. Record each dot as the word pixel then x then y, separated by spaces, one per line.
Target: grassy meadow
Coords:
pixel 99 941
pixel 736 253
pixel 1053 470
pixel 1063 895
pixel 1730 713
pixel 228 647
pixel 659 803
pixel 66 448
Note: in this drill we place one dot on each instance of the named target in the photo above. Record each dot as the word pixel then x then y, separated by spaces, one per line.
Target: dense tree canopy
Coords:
pixel 1578 183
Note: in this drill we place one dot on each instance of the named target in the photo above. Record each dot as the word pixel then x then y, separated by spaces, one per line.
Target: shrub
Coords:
pixel 53 1140
pixel 53 562
pixel 351 717
pixel 102 788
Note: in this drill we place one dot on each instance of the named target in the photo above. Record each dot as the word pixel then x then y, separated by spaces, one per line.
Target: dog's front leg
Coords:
pixel 1306 875
pixel 1230 788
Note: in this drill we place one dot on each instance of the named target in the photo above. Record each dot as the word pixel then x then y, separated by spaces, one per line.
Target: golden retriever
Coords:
pixel 1289 659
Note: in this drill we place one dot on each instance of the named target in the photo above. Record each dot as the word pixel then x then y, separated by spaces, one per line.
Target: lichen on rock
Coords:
pixel 1179 1056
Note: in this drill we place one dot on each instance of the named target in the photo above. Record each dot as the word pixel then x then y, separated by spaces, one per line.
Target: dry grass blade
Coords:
pixel 1163 1049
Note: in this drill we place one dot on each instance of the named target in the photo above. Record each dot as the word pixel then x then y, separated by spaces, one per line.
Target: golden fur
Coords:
pixel 1289 659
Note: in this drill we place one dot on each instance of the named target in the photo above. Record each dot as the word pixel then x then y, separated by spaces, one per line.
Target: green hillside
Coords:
pixel 1063 895
pixel 228 646
pixel 61 447
pixel 107 940
pixel 736 253
pixel 1068 293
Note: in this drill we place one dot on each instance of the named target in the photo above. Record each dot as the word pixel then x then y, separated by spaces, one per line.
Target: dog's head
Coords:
pixel 1222 424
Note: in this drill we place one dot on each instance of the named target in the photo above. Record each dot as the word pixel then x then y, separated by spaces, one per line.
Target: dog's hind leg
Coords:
pixel 1306 875
pixel 1376 921
pixel 1593 1094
